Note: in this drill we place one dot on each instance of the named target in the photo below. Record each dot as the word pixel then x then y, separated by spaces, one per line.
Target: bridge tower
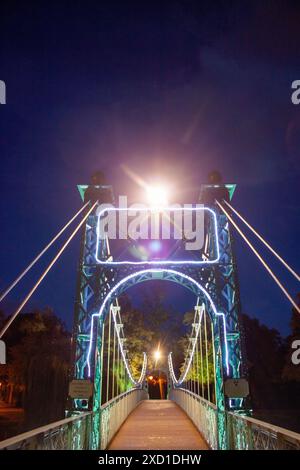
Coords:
pixel 96 281
pixel 223 280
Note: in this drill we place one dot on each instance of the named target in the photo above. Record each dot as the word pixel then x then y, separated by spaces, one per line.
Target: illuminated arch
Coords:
pixel 148 275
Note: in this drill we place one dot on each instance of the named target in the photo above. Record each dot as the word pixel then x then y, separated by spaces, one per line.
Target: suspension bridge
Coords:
pixel 208 404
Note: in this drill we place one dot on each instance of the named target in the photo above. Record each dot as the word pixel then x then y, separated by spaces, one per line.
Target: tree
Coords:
pixel 38 363
pixel 153 323
pixel 265 358
pixel 291 372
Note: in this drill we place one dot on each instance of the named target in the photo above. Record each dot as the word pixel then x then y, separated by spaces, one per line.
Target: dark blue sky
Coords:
pixel 169 89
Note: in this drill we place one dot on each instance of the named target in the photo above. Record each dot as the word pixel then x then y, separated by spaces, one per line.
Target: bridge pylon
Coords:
pixel 219 279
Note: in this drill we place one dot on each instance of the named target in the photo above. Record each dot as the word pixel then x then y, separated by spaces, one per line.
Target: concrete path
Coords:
pixel 157 425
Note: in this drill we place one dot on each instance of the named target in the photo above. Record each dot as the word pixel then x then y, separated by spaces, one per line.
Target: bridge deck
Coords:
pixel 155 425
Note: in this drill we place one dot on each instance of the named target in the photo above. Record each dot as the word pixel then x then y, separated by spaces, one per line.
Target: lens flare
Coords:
pixel 157 196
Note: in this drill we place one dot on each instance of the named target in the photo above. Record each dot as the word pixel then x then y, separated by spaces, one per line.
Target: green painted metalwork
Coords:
pixel 244 433
pixel 220 281
pixel 96 422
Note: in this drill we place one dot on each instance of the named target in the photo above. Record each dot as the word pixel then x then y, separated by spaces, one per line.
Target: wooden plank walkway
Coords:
pixel 158 425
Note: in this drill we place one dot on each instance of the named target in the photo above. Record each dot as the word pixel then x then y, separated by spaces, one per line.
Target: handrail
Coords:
pixel 114 413
pixel 202 412
pixel 244 432
pixel 42 430
pixel 119 397
pixel 270 427
pixel 60 434
pixel 197 397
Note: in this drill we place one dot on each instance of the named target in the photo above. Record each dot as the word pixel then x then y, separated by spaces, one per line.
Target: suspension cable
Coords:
pixel 118 371
pixel 197 367
pixel 214 360
pixel 266 266
pixel 12 318
pixel 201 358
pixel 108 355
pixel 123 387
pixel 263 241
pixel 101 352
pixel 206 353
pixel 18 279
pixel 194 373
pixel 113 369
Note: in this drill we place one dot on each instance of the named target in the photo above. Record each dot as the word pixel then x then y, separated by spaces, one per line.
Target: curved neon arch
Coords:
pixel 170 361
pixel 113 293
pixel 143 372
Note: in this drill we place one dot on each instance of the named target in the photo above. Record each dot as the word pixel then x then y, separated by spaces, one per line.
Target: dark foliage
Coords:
pixel 38 362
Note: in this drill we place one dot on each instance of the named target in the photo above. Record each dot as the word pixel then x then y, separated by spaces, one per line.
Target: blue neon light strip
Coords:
pixel 107 300
pixel 135 382
pixel 160 262
pixel 183 376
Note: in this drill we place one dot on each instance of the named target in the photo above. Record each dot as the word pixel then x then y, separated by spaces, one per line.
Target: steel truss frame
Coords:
pixel 220 281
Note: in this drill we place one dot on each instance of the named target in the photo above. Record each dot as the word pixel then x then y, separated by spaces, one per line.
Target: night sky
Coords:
pixel 172 90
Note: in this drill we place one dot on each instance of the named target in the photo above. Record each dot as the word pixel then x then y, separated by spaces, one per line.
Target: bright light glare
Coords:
pixel 157 355
pixel 157 196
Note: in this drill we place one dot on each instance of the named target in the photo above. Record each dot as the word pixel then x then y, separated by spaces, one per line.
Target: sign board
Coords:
pixel 236 388
pixel 81 389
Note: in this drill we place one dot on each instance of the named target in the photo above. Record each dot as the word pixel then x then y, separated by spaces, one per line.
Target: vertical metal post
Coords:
pixel 114 360
pixel 201 358
pixel 98 369
pixel 197 365
pixel 206 353
pixel 108 355
pixel 220 400
pixel 214 358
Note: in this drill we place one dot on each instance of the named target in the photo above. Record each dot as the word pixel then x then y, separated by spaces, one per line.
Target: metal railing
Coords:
pixel 115 411
pixel 68 434
pixel 75 433
pixel 202 412
pixel 245 433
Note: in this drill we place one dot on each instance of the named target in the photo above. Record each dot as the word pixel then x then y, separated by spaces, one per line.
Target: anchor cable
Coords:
pixel 15 314
pixel 263 241
pixel 18 279
pixel 266 266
